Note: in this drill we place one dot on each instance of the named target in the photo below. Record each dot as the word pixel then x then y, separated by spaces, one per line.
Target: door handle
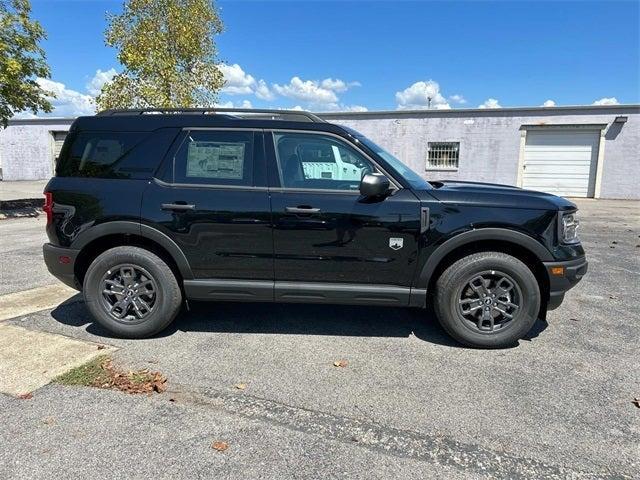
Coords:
pixel 177 206
pixel 301 210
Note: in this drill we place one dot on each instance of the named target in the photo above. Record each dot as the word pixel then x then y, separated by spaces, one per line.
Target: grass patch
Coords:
pixel 87 375
pixel 101 373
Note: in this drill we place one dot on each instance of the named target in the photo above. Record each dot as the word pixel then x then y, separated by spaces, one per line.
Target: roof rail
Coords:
pixel 272 114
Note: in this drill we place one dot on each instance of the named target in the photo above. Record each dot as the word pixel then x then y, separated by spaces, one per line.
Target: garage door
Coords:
pixel 58 141
pixel 561 162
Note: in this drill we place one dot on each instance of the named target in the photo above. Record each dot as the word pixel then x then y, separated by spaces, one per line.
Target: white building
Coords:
pixel 589 151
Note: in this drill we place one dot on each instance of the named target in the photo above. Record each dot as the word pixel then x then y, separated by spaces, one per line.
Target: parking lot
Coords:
pixel 410 403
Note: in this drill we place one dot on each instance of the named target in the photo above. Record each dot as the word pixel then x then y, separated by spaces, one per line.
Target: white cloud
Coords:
pixel 68 103
pixel 320 94
pixel 25 114
pixel 341 107
pixel 239 82
pixel 230 104
pixel 420 95
pixel 549 103
pixel 94 86
pixel 356 108
pixel 262 91
pixel 607 101
pixel 306 90
pixel 490 103
pixel 317 94
pixel 458 99
pixel 338 85
pixel 236 80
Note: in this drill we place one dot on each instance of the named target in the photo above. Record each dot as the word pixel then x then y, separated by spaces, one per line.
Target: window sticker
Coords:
pixel 215 160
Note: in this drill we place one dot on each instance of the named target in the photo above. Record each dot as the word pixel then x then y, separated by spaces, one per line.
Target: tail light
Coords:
pixel 48 206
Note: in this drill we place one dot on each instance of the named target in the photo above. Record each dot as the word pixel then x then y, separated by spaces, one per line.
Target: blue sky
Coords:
pixel 340 55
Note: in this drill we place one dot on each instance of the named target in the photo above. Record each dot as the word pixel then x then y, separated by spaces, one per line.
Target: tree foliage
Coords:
pixel 22 61
pixel 168 52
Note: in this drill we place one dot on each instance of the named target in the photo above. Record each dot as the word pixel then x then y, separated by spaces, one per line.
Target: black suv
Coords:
pixel 150 208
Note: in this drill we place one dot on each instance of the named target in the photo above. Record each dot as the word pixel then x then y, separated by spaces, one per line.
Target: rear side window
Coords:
pixel 216 158
pixel 97 154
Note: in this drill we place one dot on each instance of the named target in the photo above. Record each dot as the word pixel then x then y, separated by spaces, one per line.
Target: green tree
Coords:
pixel 168 52
pixel 22 61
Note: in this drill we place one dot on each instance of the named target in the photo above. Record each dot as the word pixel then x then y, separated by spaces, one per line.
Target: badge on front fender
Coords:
pixel 396 243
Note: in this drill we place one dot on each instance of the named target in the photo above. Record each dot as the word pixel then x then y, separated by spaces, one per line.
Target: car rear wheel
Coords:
pixel 131 292
pixel 487 300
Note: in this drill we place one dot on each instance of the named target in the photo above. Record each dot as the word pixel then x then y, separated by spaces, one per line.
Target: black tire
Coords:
pixel 454 288
pixel 164 304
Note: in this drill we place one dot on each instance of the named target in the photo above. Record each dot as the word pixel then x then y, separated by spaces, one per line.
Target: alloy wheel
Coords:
pixel 488 301
pixel 128 292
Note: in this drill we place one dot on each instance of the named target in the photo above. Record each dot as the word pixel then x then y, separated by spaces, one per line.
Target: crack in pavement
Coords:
pixel 436 449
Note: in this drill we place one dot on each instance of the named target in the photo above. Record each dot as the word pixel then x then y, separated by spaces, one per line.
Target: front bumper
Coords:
pixel 563 276
pixel 60 263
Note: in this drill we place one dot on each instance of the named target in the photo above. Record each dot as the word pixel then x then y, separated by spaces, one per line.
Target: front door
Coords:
pixel 330 243
pixel 214 204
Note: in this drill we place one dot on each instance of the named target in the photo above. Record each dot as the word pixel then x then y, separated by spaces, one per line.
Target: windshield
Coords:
pixel 415 180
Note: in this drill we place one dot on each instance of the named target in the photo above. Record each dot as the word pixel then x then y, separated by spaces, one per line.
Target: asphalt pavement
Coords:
pixel 410 403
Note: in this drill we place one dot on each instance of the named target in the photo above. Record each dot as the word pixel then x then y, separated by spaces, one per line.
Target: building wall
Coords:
pixel 490 140
pixel 26 148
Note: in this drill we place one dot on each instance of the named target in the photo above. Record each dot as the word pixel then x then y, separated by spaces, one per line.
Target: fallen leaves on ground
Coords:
pixel 49 421
pixel 340 363
pixel 240 386
pixel 101 373
pixel 636 402
pixel 25 396
pixel 220 446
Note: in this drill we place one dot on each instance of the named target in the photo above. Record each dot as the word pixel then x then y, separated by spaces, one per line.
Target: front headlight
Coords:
pixel 568 227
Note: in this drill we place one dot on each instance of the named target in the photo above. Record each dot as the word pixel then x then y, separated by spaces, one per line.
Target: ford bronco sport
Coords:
pixel 150 208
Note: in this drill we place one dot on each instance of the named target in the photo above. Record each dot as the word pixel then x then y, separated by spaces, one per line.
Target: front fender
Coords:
pixel 481 234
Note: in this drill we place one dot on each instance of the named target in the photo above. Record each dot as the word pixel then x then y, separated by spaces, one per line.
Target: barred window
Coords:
pixel 443 156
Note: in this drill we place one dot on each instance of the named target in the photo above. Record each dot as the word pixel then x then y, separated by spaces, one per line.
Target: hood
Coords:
pixel 494 195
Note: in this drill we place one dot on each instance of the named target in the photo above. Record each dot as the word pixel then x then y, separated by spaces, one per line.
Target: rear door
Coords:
pixel 211 199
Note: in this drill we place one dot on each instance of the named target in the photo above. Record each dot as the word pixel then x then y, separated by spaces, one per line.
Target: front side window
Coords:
pixel 415 180
pixel 216 158
pixel 319 162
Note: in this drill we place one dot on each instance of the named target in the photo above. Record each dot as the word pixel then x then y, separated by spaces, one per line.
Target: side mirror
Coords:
pixel 374 185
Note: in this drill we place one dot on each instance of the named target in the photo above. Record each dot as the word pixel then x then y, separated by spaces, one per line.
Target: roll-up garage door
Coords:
pixel 562 162
pixel 58 141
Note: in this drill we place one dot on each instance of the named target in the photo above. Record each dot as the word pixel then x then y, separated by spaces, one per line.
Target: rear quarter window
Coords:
pixel 98 154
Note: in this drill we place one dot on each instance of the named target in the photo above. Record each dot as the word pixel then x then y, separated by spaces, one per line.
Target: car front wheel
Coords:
pixel 131 292
pixel 487 300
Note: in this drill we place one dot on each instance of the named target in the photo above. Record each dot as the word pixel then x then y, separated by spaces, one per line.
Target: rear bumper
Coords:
pixel 60 263
pixel 572 273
